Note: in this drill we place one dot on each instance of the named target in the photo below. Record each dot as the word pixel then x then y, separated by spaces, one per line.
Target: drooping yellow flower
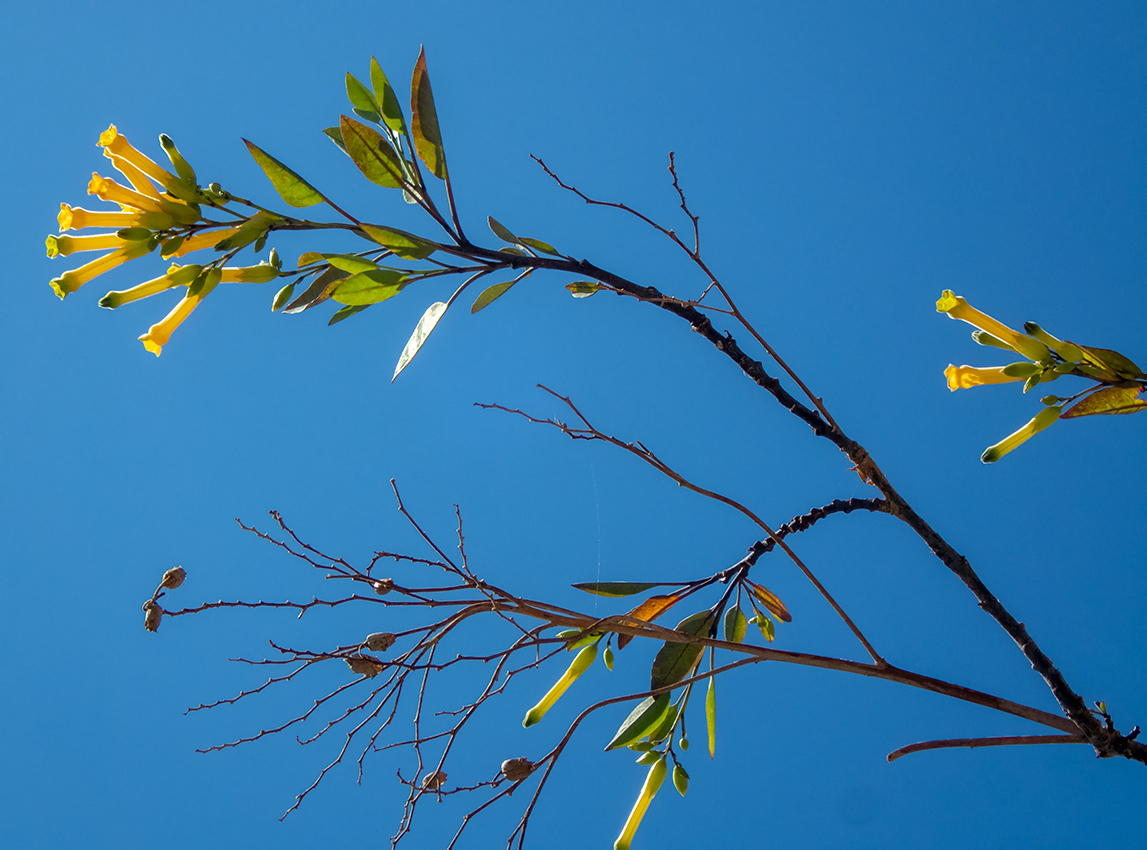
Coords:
pixel 117 145
pixel 139 181
pixel 958 308
pixel 108 190
pixel 1038 422
pixel 74 218
pixel 158 334
pixel 964 377
pixel 649 789
pixel 176 276
pixel 62 246
pixel 72 280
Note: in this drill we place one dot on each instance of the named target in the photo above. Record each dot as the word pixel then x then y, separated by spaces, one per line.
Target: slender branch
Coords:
pixel 972 743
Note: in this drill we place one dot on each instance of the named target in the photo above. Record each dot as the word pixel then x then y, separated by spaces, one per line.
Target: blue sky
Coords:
pixel 849 163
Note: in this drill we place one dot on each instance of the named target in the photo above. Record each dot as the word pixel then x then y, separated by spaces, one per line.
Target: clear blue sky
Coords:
pixel 849 161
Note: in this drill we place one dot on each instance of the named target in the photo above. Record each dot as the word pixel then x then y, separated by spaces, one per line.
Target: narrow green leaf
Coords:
pixel 291 187
pixel 711 714
pixel 583 288
pixel 318 291
pixel 735 625
pixel 252 230
pixel 1108 401
pixel 350 263
pixel 424 120
pixel 680 779
pixel 384 94
pixel 501 231
pixel 614 588
pixel 305 259
pixel 403 244
pixel 372 153
pixel 362 98
pixel 491 294
pixel 346 312
pixel 675 661
pixel 336 136
pixel 509 249
pixel 369 287
pixel 282 297
pixel 645 716
pixel 539 245
pixel 1112 362
pixel 421 331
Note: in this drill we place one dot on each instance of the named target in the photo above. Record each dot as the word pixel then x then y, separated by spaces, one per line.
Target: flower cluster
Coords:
pixel 159 208
pixel 1048 358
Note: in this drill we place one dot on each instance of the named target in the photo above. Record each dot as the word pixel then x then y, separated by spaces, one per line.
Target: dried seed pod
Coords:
pixel 152 614
pixel 379 641
pixel 434 781
pixel 173 578
pixel 382 586
pixel 517 769
pixel 365 665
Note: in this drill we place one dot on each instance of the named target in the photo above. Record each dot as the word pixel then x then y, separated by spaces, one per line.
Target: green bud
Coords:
pixel 1023 369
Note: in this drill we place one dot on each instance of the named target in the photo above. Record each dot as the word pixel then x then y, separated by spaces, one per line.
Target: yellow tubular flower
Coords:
pixel 158 334
pixel 579 665
pixel 1040 421
pixel 134 176
pixel 957 308
pixel 107 189
pixel 62 246
pixel 653 781
pixel 176 276
pixel 203 239
pixel 72 280
pixel 118 145
pixel 964 377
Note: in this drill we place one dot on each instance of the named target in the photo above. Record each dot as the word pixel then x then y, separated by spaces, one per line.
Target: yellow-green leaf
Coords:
pixel 680 779
pixel 1115 365
pixel 583 288
pixel 711 714
pixel 362 98
pixel 421 331
pixel 282 297
pixel 384 94
pixel 424 120
pixel 614 588
pixel 369 287
pixel 350 263
pixel 539 245
pixel 735 625
pixel 317 292
pixel 345 313
pixel 501 231
pixel 403 244
pixel 676 661
pixel 1108 401
pixel 646 715
pixel 491 294
pixel 372 153
pixel 291 187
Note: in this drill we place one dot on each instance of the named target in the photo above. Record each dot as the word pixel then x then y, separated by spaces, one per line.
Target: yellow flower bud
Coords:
pixel 958 308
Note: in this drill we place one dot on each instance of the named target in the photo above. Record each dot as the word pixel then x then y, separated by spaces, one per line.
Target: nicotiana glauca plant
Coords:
pixel 470 623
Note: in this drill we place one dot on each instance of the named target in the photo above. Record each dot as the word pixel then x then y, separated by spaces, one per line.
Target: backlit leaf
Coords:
pixel 318 291
pixel 362 99
pixel 424 120
pixel 1108 401
pixel 676 661
pixel 711 714
pixel 291 187
pixel 645 716
pixel 336 136
pixel 614 588
pixel 369 287
pixel 491 294
pixel 421 331
pixel 735 625
pixel 384 94
pixel 680 779
pixel 539 245
pixel 769 599
pixel 372 153
pixel 350 263
pixel 583 288
pixel 403 244
pixel 501 231
pixel 648 611
pixel 310 257
pixel 345 313
pixel 1112 362
pixel 282 297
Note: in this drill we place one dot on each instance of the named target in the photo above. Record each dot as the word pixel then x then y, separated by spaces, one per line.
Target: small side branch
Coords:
pixel 972 743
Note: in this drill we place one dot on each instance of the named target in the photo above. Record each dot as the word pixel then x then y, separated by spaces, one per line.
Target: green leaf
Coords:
pixel 346 312
pixel 291 187
pixel 384 94
pixel 649 758
pixel 680 779
pixel 424 120
pixel 735 625
pixel 1108 401
pixel 509 249
pixel 645 716
pixel 421 331
pixel 675 661
pixel 372 153
pixel 1113 363
pixel 583 288
pixel 614 588
pixel 305 259
pixel 403 244
pixel 171 246
pixel 711 714
pixel 336 136
pixel 350 263
pixel 539 245
pixel 282 297
pixel 252 230
pixel 318 291
pixel 665 728
pixel 501 231
pixel 369 287
pixel 361 97
pixel 491 294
